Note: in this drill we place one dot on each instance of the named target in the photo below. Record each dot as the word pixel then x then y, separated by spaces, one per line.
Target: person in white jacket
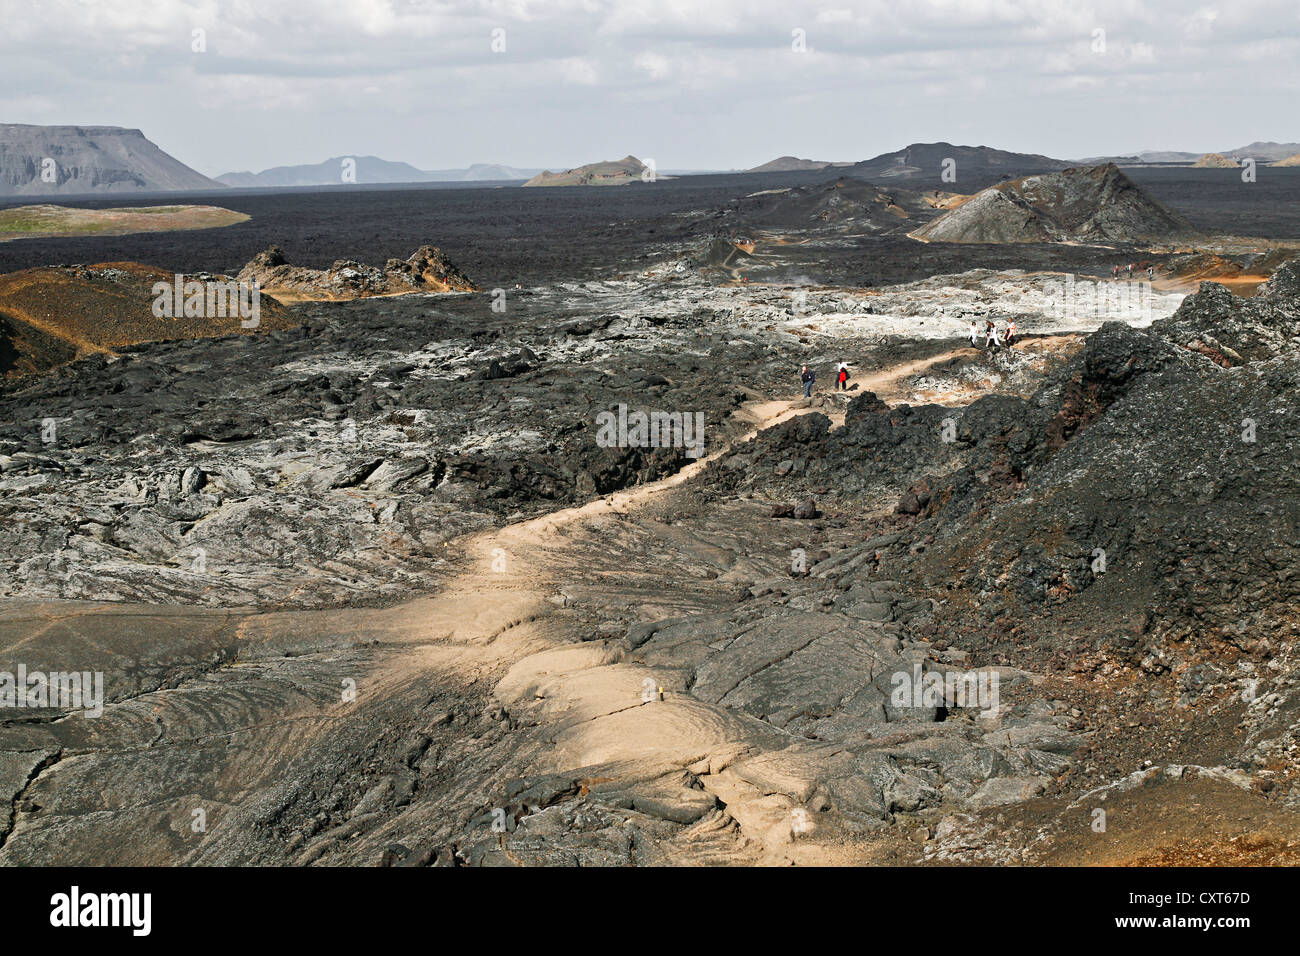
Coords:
pixel 974 334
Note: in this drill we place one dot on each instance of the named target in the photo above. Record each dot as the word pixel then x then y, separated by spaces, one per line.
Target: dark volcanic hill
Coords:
pixel 88 159
pixel 922 164
pixel 847 203
pixel 1097 203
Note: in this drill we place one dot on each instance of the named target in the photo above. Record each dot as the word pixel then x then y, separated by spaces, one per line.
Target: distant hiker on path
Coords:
pixel 1011 333
pixel 1130 270
pixel 1114 272
pixel 990 335
pixel 1151 273
pixel 808 377
pixel 842 377
pixel 974 334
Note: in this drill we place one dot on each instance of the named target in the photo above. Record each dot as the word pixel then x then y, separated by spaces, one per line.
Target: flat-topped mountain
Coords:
pixel 617 172
pixel 66 160
pixel 1078 204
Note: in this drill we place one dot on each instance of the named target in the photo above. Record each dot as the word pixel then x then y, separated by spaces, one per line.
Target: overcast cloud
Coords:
pixel 714 84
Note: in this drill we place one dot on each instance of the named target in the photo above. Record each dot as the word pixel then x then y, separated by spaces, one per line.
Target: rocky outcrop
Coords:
pixel 1214 161
pixel 619 172
pixel 427 270
pixel 1231 330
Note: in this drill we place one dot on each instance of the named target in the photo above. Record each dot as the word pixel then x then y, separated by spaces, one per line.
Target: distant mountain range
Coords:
pixel 1269 152
pixel 63 160
pixel 66 160
pixel 369 169
pixel 1260 152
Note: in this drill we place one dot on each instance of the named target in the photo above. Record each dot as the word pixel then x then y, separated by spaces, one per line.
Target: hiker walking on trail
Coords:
pixel 842 377
pixel 990 335
pixel 1151 273
pixel 1114 272
pixel 1011 333
pixel 1130 270
pixel 808 377
pixel 974 334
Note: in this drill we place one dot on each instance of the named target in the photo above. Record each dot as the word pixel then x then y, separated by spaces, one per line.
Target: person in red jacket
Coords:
pixel 842 377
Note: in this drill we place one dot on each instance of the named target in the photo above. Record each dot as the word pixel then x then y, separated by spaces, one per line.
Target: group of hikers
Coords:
pixel 995 336
pixel 1128 272
pixel 808 376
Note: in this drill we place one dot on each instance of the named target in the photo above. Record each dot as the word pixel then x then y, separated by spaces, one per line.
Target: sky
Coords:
pixel 712 84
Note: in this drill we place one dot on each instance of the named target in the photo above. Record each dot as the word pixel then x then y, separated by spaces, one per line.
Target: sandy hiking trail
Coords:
pixel 485 619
